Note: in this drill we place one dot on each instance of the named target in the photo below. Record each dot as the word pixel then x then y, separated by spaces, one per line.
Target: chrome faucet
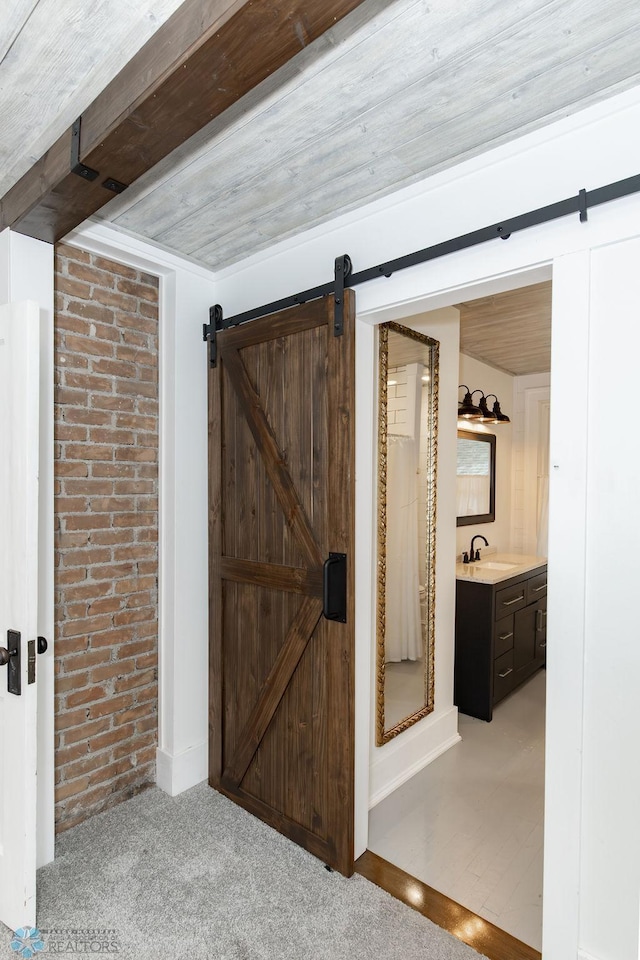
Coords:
pixel 474 554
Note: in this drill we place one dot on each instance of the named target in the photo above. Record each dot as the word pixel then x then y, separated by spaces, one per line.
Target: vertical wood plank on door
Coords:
pixel 321 452
pixel 300 758
pixel 340 513
pixel 216 723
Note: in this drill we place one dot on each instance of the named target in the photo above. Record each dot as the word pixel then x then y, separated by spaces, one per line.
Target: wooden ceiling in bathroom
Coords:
pixel 510 330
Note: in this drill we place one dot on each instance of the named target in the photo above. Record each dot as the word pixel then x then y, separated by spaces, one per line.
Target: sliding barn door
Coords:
pixel 281 462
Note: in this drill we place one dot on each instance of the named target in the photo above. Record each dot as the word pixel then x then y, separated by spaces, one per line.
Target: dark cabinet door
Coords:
pixel 524 637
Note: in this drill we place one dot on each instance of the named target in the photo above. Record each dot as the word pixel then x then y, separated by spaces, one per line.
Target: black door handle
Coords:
pixel 334 587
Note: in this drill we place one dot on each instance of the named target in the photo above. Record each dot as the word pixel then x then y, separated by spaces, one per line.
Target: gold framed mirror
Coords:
pixel 407 461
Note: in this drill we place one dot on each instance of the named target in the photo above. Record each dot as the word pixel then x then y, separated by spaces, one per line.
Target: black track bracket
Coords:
pixel 209 331
pixel 342 272
pixel 81 169
pixel 582 201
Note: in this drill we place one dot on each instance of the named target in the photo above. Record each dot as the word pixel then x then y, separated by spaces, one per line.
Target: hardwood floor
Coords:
pixel 467 926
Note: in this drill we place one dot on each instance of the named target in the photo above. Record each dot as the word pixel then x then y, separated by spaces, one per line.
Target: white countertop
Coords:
pixel 483 572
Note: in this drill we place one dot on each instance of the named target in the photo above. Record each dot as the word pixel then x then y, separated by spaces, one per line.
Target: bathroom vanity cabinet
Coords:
pixel 501 634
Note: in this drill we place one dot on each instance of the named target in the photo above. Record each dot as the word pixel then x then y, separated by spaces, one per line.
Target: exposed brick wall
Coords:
pixel 106 515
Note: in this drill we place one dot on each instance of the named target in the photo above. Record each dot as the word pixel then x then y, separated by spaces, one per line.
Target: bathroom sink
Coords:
pixel 495 565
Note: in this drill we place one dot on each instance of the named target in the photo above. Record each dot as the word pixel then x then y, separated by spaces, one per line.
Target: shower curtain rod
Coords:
pixel 344 277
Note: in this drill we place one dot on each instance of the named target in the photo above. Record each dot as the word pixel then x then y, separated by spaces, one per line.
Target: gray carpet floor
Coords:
pixel 196 877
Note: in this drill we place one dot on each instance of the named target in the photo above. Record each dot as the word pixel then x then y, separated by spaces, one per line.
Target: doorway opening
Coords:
pixel 469 824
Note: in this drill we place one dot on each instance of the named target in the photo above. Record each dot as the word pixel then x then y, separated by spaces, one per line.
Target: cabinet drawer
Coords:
pixel 537 587
pixel 502 636
pixel 510 599
pixel 503 676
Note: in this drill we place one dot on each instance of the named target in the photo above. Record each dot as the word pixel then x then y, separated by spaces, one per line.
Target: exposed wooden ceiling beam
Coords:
pixel 207 56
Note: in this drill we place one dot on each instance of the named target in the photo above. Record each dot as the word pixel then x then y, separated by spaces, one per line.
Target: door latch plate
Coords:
pixel 14 666
pixel 31 661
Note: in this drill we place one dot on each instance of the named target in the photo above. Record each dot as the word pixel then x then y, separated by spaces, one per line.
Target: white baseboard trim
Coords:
pixel 177 773
pixel 411 772
pixel 428 742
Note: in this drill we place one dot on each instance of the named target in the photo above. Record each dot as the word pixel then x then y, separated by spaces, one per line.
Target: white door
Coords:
pixel 19 361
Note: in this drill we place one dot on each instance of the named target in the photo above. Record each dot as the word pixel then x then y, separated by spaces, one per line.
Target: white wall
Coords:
pixel 5 265
pixel 184 564
pixel 478 375
pixel 590 149
pixel 26 273
pixel 610 865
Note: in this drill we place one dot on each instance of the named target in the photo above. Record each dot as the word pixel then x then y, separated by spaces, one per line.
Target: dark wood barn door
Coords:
pixel 281 462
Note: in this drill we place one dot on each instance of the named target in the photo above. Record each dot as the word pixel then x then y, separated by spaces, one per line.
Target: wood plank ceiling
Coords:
pixel 510 330
pixel 394 92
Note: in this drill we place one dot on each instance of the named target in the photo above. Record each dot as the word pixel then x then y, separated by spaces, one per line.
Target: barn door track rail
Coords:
pixel 344 276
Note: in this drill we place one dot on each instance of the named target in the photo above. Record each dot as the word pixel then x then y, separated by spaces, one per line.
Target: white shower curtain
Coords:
pixel 472 495
pixel 403 630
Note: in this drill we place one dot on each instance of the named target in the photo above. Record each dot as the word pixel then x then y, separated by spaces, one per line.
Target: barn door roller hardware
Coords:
pixel 209 331
pixel 344 277
pixel 82 170
pixel 342 272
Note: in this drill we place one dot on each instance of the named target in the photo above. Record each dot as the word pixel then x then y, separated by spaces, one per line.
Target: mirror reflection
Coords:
pixel 475 478
pixel 408 370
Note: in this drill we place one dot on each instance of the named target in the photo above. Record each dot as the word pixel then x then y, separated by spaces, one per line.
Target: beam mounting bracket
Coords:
pixel 81 169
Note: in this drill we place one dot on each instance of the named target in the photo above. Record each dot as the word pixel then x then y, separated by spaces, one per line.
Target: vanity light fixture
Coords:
pixel 497 416
pixel 487 416
pixel 467 410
